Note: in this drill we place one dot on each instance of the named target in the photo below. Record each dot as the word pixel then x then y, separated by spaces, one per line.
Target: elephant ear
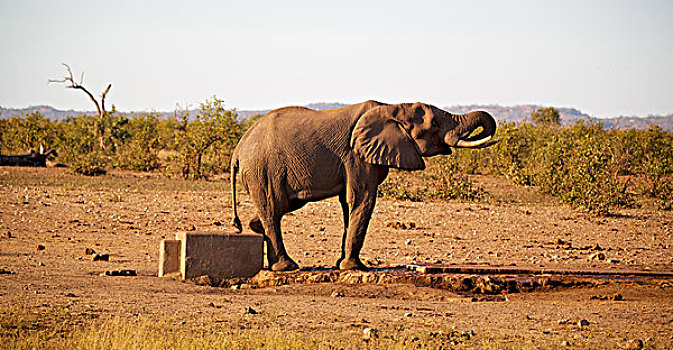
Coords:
pixel 379 139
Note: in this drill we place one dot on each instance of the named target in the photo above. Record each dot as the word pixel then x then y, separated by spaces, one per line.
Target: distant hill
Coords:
pixel 46 111
pixel 517 113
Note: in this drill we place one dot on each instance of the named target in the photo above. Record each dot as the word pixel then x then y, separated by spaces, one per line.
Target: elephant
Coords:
pixel 295 155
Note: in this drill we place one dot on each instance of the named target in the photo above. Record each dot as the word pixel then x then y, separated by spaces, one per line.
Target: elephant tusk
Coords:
pixel 475 143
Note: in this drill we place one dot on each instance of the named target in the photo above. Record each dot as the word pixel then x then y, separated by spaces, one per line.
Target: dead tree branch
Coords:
pixel 74 85
pixel 100 107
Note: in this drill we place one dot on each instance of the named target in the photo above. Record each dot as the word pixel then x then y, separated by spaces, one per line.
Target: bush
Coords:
pixel 205 144
pixel 439 181
pixel 90 164
pixel 580 170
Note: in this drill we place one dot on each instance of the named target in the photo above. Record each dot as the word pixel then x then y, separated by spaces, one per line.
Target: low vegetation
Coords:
pixel 583 165
pixel 53 327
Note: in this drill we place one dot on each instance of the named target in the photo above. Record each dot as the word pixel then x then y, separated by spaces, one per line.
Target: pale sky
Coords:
pixel 606 58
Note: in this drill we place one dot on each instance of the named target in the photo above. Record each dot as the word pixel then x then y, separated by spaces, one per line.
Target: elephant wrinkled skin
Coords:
pixel 296 155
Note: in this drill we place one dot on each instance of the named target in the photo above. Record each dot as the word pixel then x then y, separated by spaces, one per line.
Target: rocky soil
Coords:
pixel 61 233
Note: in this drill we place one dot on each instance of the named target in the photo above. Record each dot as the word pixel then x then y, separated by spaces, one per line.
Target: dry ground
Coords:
pixel 127 214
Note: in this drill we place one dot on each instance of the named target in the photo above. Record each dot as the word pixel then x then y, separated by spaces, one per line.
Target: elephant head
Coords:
pixel 400 135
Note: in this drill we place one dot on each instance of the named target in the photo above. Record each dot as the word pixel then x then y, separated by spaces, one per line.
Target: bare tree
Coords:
pixel 100 107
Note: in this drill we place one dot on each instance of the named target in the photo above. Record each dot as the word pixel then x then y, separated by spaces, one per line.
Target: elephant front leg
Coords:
pixel 360 213
pixel 345 210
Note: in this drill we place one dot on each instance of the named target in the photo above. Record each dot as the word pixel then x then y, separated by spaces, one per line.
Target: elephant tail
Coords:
pixel 235 221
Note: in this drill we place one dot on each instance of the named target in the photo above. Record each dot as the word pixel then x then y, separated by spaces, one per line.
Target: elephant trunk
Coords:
pixel 468 123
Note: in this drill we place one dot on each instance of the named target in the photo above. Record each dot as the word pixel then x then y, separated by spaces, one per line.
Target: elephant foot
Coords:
pixel 284 264
pixel 352 264
pixel 256 226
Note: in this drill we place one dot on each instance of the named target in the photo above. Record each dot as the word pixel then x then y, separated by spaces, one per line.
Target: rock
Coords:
pixel 397 225
pixel 41 264
pixel 266 278
pixel 614 297
pixel 370 333
pixel 337 294
pixel 203 280
pixel 40 247
pixel 613 261
pixel 635 344
pixel 583 323
pixel 89 251
pixel 235 287
pixel 565 343
pixel 71 295
pixel 250 311
pixel 408 241
pixel 597 256
pixel 564 321
pixel 124 273
pixel 7 235
pixel 408 314
pixel 101 257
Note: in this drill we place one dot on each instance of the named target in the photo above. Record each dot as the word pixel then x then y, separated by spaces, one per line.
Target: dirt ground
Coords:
pixel 48 218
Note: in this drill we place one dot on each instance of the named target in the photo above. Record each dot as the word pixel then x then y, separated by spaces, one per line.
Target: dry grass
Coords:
pixel 54 328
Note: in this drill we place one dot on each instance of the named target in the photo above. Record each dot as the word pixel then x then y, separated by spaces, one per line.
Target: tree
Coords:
pixel 104 121
pixel 546 116
pixel 214 132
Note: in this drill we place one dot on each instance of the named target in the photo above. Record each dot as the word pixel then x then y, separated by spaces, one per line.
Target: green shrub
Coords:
pixel 580 170
pixel 91 164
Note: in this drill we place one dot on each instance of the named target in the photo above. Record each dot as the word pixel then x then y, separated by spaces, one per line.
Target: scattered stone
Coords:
pixel 124 273
pixel 337 294
pixel 250 311
pixel 401 226
pixel 614 297
pixel 565 343
pixel 217 223
pixel 370 333
pixel 101 257
pixel 89 251
pixel 635 344
pixel 613 261
pixel 491 298
pixel 203 280
pixel 408 241
pixel 597 256
pixel 408 314
pixel 4 271
pixel 41 264
pixel 41 247
pixel 583 323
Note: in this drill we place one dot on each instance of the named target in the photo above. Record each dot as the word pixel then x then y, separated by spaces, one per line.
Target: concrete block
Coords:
pixel 220 254
pixel 169 257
